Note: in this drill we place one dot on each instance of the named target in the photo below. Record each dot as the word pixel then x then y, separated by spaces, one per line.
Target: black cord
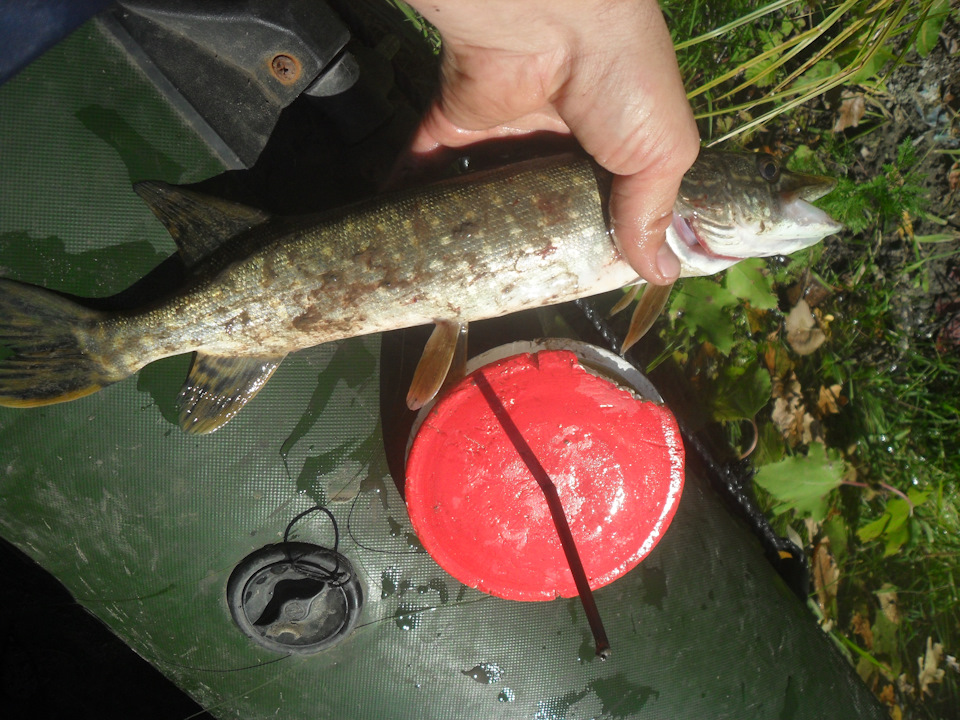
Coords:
pixel 336 577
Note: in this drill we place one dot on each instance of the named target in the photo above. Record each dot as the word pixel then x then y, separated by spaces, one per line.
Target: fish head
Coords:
pixel 735 205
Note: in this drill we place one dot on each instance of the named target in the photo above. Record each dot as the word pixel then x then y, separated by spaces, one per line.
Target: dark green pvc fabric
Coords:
pixel 144 524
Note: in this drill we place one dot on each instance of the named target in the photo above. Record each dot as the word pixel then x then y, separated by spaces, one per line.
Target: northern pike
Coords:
pixel 472 247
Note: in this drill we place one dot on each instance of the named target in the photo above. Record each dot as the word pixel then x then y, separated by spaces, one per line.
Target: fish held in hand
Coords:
pixel 473 247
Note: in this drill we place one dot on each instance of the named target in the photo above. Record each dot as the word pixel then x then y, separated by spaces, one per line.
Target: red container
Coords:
pixel 613 453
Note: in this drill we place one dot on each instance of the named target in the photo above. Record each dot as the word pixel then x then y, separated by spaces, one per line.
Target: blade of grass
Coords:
pixel 803 41
pixel 739 22
pixel 813 92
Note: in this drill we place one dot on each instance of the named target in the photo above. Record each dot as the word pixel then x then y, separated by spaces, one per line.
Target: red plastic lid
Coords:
pixel 616 461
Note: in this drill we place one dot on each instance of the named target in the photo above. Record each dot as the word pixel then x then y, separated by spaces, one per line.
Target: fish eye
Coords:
pixel 767 167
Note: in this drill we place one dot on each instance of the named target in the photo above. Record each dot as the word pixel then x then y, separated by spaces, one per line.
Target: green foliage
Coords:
pixel 750 65
pixel 931 26
pixel 835 529
pixel 700 306
pixel 892 526
pixel 430 34
pixel 802 483
pixel 741 391
pixel 749 281
pixel 770 445
pixel 894 434
pixel 882 200
pixel 886 642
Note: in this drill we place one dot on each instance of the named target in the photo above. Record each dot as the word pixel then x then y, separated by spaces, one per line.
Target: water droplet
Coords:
pixel 388 581
pixel 407 618
pixel 441 587
pixel 413 542
pixel 485 673
pixel 506 695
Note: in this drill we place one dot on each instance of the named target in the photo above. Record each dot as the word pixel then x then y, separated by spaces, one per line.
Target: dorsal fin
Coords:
pixel 198 223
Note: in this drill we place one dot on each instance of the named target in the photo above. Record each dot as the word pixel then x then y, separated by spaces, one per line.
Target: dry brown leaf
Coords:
pixel 810 288
pixel 888 603
pixel 803 335
pixel 788 408
pixel 851 113
pixel 812 429
pixel 770 353
pixel 887 695
pixel 786 386
pixel 930 671
pixel 861 627
pixel 794 537
pixel 776 356
pixel 797 290
pixel 826 577
pixel 756 319
pixel 830 399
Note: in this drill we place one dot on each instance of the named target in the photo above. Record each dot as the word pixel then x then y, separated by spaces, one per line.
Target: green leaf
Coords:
pixel 931 27
pixel 895 539
pixel 802 483
pixel 873 529
pixel 748 281
pixel 754 72
pixel 770 445
pixel 836 530
pixel 741 392
pixel 917 497
pixel 892 526
pixel 823 70
pixel 899 511
pixel 885 641
pixel 889 525
pixel 881 56
pixel 700 306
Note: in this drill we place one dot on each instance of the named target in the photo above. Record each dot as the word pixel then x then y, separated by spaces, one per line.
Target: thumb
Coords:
pixel 641 208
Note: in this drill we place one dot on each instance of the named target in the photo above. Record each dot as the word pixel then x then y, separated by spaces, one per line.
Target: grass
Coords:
pixel 869 418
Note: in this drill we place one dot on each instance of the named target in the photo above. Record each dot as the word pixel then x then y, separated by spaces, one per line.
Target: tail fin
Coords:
pixel 48 364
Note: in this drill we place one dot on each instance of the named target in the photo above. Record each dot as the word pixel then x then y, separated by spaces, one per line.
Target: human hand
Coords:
pixel 602 70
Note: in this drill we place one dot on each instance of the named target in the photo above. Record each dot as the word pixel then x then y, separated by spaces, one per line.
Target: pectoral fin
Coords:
pixel 458 366
pixel 438 355
pixel 648 309
pixel 218 387
pixel 628 297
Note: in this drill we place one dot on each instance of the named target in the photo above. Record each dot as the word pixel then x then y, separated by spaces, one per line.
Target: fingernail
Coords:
pixel 667 263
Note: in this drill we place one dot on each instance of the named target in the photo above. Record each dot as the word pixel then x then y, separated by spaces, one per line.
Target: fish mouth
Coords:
pixel 799 210
pixel 693 243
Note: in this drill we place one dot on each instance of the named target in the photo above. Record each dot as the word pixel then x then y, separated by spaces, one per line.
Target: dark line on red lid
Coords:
pixel 540 474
